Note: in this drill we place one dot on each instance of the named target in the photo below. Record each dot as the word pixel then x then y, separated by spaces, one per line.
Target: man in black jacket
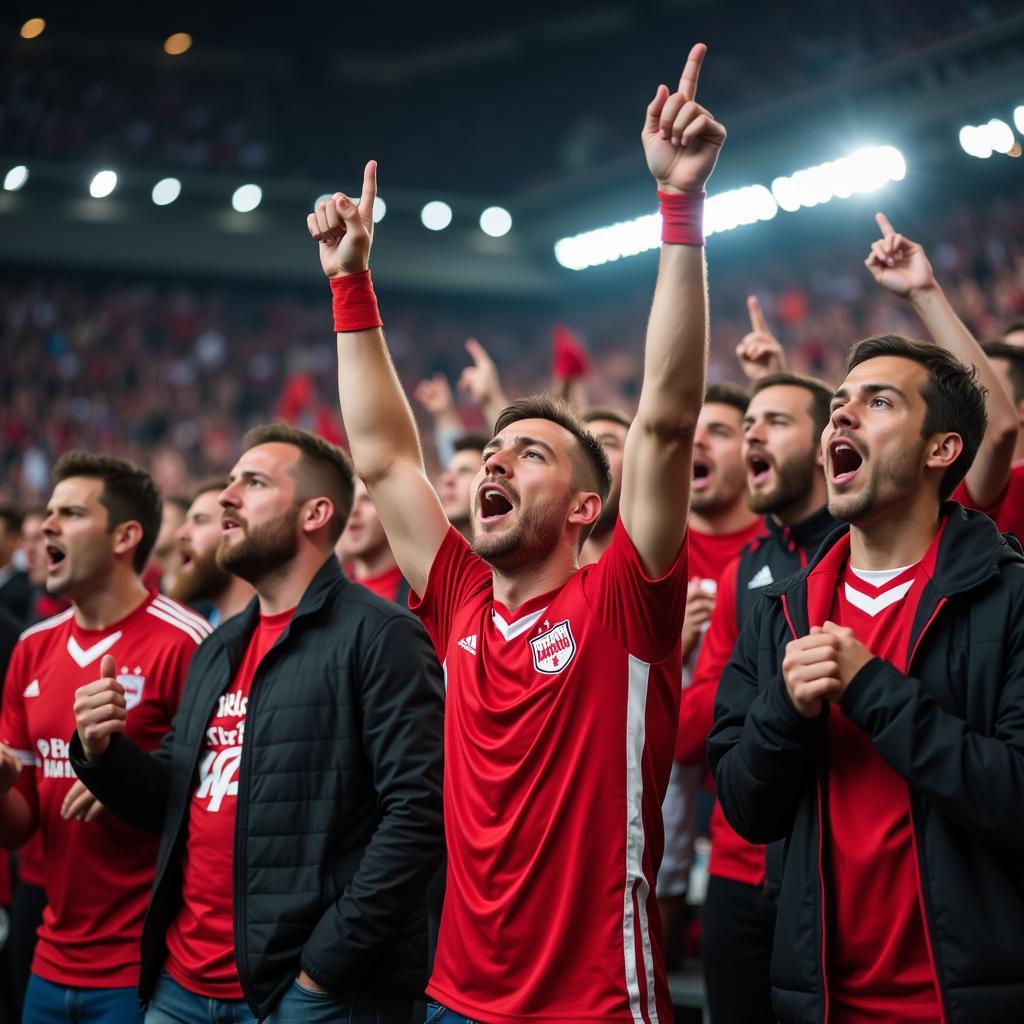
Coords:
pixel 871 716
pixel 299 792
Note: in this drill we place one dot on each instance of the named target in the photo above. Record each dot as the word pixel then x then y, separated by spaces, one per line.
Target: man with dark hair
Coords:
pixel 165 560
pixel 15 588
pixel 200 578
pixel 870 716
pixel 782 428
pixel 554 839
pixel 101 522
pixel 455 484
pixel 611 428
pixel 298 796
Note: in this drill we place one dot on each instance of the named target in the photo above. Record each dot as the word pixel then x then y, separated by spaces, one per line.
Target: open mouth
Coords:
pixel 759 467
pixel 54 557
pixel 701 473
pixel 494 504
pixel 845 461
pixel 229 525
pixel 186 560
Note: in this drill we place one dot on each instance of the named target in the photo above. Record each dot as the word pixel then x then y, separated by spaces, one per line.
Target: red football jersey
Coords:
pixel 1008 510
pixel 97 874
pixel 559 729
pixel 201 939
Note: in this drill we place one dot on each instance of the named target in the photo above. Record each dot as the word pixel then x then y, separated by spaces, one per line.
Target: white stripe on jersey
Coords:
pixel 183 613
pixel 517 628
pixel 50 623
pixel 26 757
pixel 184 627
pixel 636 881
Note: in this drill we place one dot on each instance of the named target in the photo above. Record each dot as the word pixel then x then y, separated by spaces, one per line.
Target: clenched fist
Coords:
pixel 100 710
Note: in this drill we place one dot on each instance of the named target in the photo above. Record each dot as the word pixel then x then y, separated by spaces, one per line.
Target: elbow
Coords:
pixel 669 427
pixel 1004 430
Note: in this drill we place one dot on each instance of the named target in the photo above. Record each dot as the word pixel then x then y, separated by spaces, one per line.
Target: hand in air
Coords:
pixel 681 139
pixel 344 229
pixel 759 352
pixel 897 263
pixel 480 381
pixel 435 395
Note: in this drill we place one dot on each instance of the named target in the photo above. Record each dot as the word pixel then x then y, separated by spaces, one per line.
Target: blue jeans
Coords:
pixel 172 1004
pixel 437 1014
pixel 47 1003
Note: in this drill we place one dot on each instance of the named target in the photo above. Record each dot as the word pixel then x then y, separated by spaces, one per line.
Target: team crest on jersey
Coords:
pixel 553 650
pixel 134 683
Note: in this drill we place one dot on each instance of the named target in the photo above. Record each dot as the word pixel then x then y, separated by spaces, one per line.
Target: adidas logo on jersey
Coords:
pixel 32 690
pixel 468 644
pixel 761 578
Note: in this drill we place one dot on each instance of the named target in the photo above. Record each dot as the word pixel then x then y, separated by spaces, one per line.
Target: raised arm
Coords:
pixel 378 420
pixel 681 141
pixel 902 267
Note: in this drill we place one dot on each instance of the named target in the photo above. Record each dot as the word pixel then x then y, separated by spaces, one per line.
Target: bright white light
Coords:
pixel 495 221
pixel 103 184
pixel 1018 119
pixel 1000 135
pixel 166 191
pixel 975 142
pixel 862 171
pixel 247 198
pixel 15 178
pixel 379 209
pixel 436 215
pixel 321 199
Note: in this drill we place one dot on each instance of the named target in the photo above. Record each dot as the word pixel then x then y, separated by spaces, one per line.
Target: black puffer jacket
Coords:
pixel 339 821
pixel 953 728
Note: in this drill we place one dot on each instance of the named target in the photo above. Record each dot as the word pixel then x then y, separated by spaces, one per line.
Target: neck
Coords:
pixel 729 518
pixel 233 599
pixel 119 596
pixel 896 538
pixel 594 547
pixel 282 589
pixel 373 563
pixel 815 498
pixel 516 587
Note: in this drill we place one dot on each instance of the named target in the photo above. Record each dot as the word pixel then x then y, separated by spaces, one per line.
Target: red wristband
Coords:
pixel 682 217
pixel 355 304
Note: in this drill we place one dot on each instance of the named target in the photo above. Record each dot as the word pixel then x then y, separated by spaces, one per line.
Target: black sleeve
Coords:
pixel 402 705
pixel 760 747
pixel 10 630
pixel 129 782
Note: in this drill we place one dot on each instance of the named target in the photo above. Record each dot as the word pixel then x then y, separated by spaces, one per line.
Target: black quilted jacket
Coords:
pixel 339 822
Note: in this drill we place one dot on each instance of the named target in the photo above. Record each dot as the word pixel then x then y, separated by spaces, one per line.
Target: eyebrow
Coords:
pixel 870 389
pixel 750 417
pixel 521 442
pixel 247 474
pixel 51 510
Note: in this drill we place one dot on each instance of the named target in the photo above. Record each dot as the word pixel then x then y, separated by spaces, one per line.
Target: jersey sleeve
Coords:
pixel 455 574
pixel 697 708
pixel 644 615
pixel 14 732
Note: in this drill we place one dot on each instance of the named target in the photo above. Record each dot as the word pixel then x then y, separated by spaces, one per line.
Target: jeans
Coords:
pixel 437 1014
pixel 172 1004
pixel 47 1003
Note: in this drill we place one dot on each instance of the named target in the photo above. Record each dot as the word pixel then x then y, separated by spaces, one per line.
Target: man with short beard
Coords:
pixel 200 577
pixel 870 716
pixel 562 682
pixel 781 430
pixel 299 794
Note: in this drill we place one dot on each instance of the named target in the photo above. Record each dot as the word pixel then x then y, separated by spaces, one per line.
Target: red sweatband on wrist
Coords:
pixel 682 217
pixel 355 304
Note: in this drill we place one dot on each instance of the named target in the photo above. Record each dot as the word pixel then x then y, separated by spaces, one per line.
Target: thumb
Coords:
pixel 757 321
pixel 108 667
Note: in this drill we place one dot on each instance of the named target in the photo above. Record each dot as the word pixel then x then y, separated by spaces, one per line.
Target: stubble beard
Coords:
pixel 901 472
pixel 794 480
pixel 264 550
pixel 204 581
pixel 534 536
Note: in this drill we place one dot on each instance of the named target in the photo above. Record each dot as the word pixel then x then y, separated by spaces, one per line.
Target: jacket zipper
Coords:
pixel 922 894
pixel 821 855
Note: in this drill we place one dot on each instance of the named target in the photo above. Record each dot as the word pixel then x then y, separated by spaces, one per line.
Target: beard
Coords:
pixel 205 580
pixel 726 492
pixel 533 537
pixel 793 480
pixel 263 550
pixel 898 476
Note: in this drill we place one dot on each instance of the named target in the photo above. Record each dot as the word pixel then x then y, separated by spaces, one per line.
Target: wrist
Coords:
pixel 682 217
pixel 354 303
pixel 925 295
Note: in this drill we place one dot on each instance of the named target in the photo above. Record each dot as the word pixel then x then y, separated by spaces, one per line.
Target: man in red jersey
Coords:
pixel 563 683
pixel 366 554
pixel 101 523
pixel 993 485
pixel 871 717
pixel 720 524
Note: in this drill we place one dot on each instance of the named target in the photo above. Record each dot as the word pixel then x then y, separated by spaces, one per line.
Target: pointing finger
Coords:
pixel 369 191
pixel 477 352
pixel 757 321
pixel 884 226
pixel 691 72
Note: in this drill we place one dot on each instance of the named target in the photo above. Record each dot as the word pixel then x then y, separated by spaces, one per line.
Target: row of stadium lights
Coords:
pixel 495 221
pixel 995 136
pixel 174 45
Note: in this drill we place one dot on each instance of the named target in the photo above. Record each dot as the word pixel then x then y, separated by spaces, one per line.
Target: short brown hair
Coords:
pixel 953 398
pixel 591 467
pixel 11 518
pixel 820 392
pixel 1014 355
pixel 470 443
pixel 212 483
pixel 128 495
pixel 323 469
pixel 606 412
pixel 727 393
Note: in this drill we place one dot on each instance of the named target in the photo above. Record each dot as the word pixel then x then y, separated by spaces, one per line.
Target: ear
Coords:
pixel 127 537
pixel 943 451
pixel 316 514
pixel 585 509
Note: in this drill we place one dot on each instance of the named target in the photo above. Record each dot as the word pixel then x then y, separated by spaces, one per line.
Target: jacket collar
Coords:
pixel 806 535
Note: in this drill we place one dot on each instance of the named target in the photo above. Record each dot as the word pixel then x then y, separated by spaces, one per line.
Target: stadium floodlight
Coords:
pixel 15 178
pixel 33 28
pixel 166 191
pixel 863 171
pixel 177 44
pixel 1000 135
pixel 1018 119
pixel 436 215
pixel 247 198
pixel 495 221
pixel 379 209
pixel 102 184
pixel 974 142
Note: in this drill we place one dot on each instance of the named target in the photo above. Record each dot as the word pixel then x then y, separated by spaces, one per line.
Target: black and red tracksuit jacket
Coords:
pixel 953 727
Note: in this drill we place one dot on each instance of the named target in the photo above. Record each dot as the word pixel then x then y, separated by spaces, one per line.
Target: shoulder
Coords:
pixel 172 622
pixel 44 632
